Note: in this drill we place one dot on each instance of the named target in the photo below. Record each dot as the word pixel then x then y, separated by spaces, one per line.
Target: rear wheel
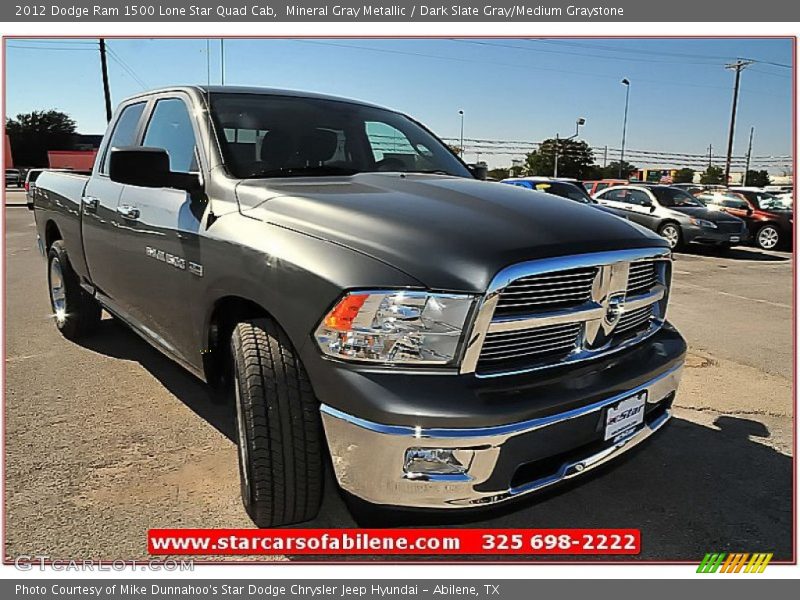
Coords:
pixel 76 313
pixel 279 431
pixel 768 237
pixel 672 233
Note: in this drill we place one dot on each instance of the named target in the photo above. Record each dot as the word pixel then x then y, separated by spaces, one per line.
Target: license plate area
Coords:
pixel 626 416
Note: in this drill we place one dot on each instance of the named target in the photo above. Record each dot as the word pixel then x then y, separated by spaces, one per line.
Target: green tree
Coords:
pixel 499 173
pixel 33 134
pixel 612 171
pixel 575 159
pixel 684 176
pixel 757 178
pixel 713 175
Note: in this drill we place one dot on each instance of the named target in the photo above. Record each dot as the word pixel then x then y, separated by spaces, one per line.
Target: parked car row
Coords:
pixel 683 213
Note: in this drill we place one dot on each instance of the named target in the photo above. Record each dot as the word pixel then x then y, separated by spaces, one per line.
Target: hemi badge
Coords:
pixel 195 268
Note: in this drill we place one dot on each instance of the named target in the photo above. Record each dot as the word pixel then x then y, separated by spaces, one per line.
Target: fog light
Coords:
pixel 420 462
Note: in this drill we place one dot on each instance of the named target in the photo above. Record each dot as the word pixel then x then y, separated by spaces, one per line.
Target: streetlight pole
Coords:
pixel 627 85
pixel 578 122
pixel 461 143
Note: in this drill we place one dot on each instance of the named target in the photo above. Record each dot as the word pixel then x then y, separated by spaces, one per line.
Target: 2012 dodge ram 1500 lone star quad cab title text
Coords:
pixel 447 341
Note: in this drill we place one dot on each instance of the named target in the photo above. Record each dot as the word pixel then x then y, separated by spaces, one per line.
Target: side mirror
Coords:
pixel 148 167
pixel 652 207
pixel 479 171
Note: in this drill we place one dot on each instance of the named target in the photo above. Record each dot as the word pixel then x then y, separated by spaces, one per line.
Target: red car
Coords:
pixel 768 221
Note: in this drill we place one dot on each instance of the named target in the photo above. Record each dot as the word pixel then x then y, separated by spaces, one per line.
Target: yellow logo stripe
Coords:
pixel 753 564
pixel 764 564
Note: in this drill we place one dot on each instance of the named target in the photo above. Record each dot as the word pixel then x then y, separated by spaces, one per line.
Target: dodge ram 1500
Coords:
pixel 446 341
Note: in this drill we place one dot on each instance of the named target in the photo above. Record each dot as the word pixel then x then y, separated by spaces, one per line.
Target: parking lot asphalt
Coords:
pixel 106 439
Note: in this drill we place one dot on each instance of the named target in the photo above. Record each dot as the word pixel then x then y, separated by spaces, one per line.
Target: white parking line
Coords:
pixel 737 296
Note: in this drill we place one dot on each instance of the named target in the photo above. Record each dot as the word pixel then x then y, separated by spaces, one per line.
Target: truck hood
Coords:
pixel 449 233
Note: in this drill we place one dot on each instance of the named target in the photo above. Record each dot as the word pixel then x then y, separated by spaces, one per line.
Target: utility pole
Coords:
pixel 709 155
pixel 222 60
pixel 605 156
pixel 104 67
pixel 749 150
pixel 737 66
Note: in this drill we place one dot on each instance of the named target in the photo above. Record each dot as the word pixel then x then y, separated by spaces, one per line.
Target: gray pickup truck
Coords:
pixel 336 271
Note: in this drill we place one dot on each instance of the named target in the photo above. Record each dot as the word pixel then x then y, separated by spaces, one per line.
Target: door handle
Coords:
pixel 90 203
pixel 126 211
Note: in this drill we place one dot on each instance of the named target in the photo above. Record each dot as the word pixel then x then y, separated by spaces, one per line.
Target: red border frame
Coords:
pixel 471 559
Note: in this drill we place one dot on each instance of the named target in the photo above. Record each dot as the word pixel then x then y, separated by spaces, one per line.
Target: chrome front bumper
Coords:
pixel 369 458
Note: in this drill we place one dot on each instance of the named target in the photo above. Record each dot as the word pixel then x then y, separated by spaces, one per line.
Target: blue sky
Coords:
pixel 509 89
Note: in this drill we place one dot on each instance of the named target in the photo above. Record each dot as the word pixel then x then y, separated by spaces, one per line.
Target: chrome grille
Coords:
pixel 547 291
pixel 641 277
pixel 635 320
pixel 538 342
pixel 557 311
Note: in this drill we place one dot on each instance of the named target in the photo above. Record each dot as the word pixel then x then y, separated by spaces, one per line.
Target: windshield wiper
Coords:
pixel 430 171
pixel 317 171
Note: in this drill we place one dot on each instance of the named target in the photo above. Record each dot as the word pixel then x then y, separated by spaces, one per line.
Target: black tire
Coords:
pixel 279 430
pixel 768 237
pixel 675 241
pixel 76 313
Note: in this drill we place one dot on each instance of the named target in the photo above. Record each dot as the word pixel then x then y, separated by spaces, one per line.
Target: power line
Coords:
pixel 660 52
pixel 582 54
pixel 516 66
pixel 57 42
pixel 26 47
pixel 126 67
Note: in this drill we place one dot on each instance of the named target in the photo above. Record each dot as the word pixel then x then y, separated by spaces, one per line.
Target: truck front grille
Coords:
pixel 547 291
pixel 634 321
pixel 557 311
pixel 538 343
pixel 641 278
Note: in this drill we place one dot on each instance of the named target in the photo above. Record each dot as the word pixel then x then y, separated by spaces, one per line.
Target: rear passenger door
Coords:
pixel 160 233
pixel 635 204
pixel 99 218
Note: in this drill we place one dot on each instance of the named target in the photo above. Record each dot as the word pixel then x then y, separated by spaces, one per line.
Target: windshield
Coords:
pixel 287 136
pixel 766 201
pixel 670 196
pixel 565 190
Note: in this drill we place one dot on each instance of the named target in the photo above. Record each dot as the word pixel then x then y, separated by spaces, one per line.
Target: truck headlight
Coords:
pixel 395 327
pixel 703 223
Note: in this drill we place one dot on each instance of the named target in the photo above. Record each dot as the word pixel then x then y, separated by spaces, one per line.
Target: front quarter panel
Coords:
pixel 294 277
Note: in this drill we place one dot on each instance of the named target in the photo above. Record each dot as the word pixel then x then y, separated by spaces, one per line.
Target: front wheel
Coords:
pixel 768 237
pixel 279 431
pixel 672 233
